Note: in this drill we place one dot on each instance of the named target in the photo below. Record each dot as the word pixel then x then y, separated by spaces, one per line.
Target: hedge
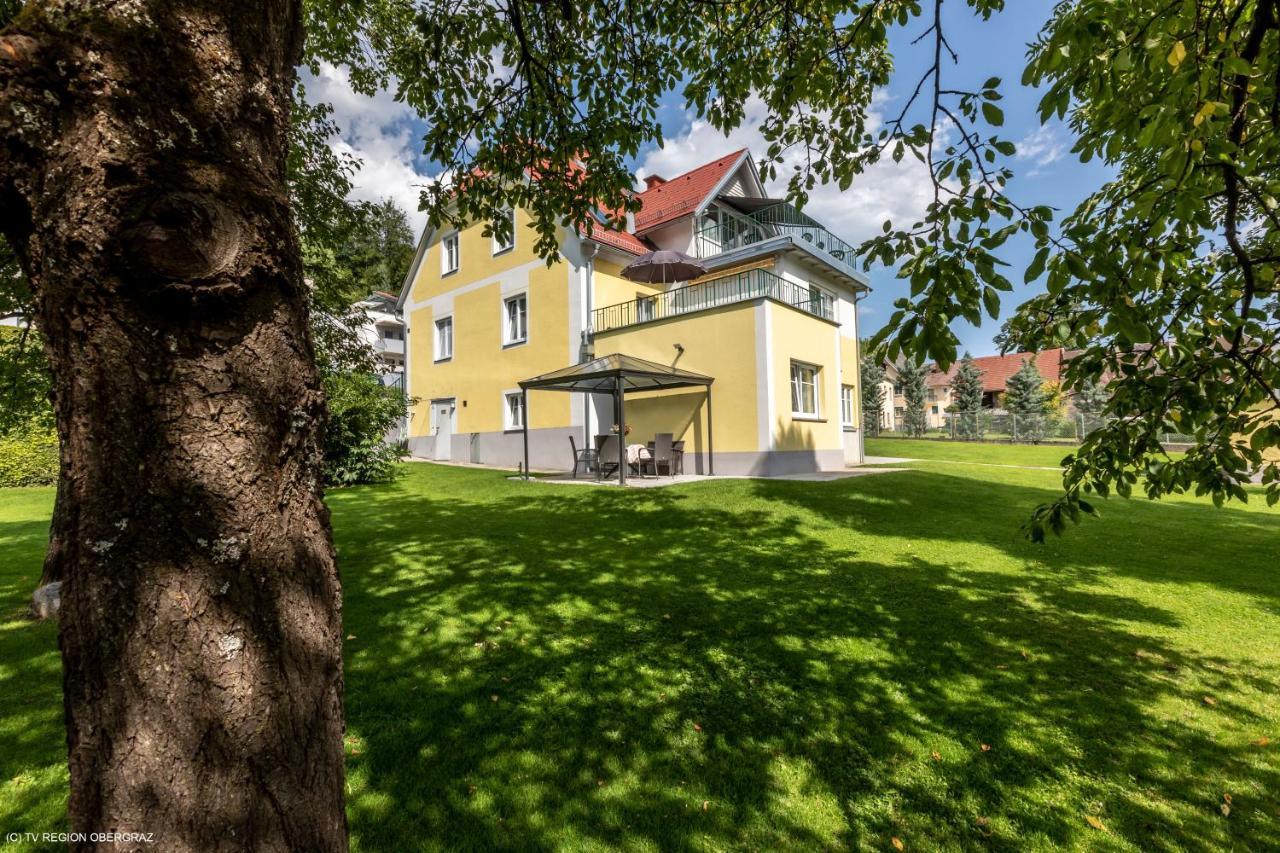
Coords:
pixel 29 457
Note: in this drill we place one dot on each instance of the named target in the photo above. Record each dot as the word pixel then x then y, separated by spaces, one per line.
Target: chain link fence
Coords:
pixel 995 425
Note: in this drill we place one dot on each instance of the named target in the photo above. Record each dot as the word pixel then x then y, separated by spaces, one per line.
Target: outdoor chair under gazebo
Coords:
pixel 616 375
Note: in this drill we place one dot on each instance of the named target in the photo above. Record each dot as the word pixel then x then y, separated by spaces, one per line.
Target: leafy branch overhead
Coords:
pixel 1163 280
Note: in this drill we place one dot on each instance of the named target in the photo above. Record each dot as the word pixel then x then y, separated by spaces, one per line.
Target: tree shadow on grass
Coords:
pixel 687 668
pixel 757 665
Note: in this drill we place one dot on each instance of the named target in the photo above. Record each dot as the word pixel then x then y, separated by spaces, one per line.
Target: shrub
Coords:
pixel 362 411
pixel 29 456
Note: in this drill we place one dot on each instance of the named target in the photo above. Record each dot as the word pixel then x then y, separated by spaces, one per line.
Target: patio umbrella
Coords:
pixel 663 267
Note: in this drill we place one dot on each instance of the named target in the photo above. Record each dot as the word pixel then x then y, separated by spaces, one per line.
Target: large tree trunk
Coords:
pixel 142 152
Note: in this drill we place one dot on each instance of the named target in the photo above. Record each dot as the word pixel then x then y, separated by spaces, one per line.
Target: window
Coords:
pixel 514 410
pixel 444 339
pixel 516 327
pixel 449 254
pixel 846 405
pixel 804 390
pixel 644 307
pixel 505 244
pixel 392 333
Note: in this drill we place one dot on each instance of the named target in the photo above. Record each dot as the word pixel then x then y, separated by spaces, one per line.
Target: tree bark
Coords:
pixel 142 183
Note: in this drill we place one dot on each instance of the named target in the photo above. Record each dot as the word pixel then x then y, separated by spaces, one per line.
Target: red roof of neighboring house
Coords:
pixel 996 369
pixel 682 194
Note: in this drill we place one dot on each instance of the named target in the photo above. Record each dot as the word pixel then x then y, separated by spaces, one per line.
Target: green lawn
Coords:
pixel 1040 455
pixel 768 665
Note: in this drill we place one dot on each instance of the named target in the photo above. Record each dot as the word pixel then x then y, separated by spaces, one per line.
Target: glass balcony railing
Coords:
pixel 739 230
pixel 725 290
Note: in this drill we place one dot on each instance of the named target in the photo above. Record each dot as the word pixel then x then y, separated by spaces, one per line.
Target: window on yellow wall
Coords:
pixel 516 325
pixel 449 254
pixel 444 339
pixel 804 389
pixel 514 410
pixel 846 405
pixel 645 306
pixel 505 244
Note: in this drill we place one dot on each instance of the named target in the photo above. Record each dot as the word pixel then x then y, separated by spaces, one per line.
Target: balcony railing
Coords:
pixel 735 231
pixel 725 290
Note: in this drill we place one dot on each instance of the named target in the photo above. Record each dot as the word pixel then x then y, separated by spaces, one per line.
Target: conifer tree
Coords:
pixel 966 398
pixel 914 422
pixel 872 375
pixel 1025 399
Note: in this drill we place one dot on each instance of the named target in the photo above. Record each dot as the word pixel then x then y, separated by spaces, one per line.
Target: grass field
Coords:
pixel 768 665
pixel 1037 455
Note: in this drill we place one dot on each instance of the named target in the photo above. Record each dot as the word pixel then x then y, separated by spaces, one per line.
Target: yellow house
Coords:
pixel 774 324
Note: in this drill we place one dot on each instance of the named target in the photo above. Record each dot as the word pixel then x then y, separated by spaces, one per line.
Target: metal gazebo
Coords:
pixel 616 374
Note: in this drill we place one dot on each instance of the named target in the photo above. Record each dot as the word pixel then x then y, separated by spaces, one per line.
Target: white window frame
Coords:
pixel 499 248
pixel 509 423
pixel 797 385
pixel 508 339
pixel 440 355
pixel 448 254
pixel 846 405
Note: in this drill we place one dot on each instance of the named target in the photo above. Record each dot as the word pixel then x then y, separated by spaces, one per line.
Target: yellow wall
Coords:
pixel 476 259
pixel 482 369
pixel 719 343
pixel 801 337
pixel 851 377
pixel 610 288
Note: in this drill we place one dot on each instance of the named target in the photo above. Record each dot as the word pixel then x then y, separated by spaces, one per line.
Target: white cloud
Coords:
pixel 887 190
pixel 380 132
pixel 1042 146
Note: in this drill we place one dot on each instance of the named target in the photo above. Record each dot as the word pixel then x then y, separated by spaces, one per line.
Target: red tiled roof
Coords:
pixel 996 369
pixel 683 193
pixel 618 239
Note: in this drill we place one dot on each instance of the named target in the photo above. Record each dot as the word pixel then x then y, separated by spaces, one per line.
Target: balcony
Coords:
pixel 725 290
pixel 736 223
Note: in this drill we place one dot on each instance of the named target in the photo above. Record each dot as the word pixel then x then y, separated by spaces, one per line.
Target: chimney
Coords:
pixel 651 181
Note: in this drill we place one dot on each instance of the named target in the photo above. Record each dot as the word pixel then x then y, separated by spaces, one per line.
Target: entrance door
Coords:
pixel 442 428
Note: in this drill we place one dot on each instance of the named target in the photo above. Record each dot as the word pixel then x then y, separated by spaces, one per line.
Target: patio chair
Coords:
pixel 607 457
pixel 663 454
pixel 584 458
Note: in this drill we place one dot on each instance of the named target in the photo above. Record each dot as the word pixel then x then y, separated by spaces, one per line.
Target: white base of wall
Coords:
pixel 549 450
pixel 853 450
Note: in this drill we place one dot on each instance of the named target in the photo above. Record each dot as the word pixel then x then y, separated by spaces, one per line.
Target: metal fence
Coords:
pixel 725 290
pixel 999 426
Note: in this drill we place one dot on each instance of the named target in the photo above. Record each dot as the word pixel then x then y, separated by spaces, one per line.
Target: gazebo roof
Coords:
pixel 606 373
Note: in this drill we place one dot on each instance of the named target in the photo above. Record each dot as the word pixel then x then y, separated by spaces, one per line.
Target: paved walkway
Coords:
pixel 886 460
pixel 634 482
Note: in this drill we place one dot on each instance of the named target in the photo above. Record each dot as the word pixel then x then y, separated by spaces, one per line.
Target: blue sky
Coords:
pixel 386 137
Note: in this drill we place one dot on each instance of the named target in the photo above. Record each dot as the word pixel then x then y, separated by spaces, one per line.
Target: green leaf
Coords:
pixel 1036 268
pixel 993 114
pixel 991 301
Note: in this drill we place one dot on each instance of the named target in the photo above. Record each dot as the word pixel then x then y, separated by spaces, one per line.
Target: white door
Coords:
pixel 442 428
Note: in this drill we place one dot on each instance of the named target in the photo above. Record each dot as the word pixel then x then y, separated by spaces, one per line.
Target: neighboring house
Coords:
pixel 384 334
pixel 774 323
pixel 996 370
pixel 894 405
